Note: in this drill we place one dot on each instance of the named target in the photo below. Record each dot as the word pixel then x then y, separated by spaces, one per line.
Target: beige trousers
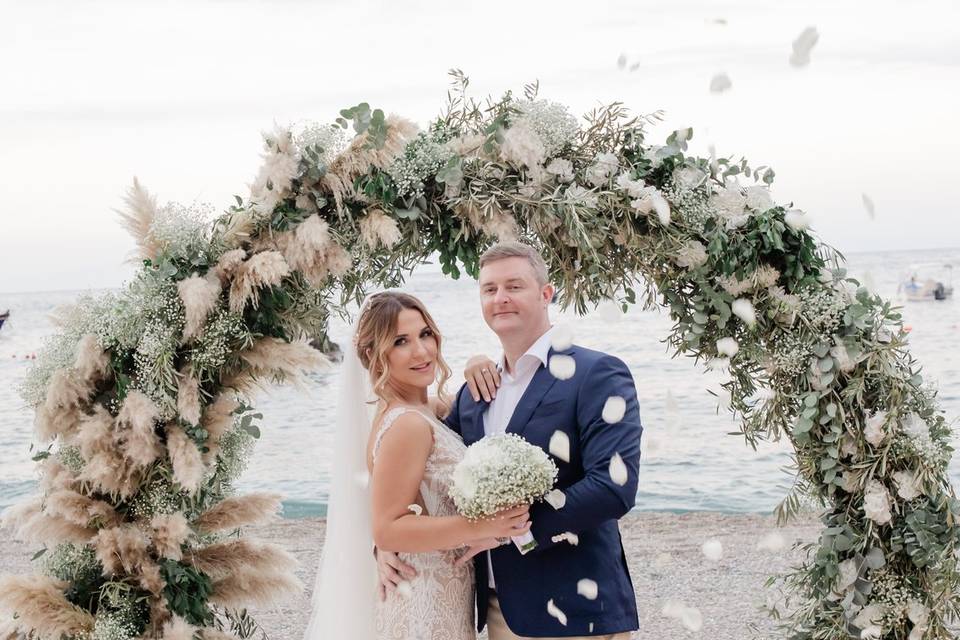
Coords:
pixel 498 630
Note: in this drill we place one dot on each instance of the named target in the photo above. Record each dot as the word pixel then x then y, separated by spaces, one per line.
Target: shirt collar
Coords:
pixel 539 350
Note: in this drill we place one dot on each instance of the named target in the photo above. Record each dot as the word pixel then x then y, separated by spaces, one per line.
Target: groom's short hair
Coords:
pixel 513 249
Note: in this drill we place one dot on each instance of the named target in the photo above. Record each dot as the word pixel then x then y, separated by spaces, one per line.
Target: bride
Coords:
pixel 388 428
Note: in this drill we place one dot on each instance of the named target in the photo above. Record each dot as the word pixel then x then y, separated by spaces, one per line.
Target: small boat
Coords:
pixel 3 317
pixel 928 281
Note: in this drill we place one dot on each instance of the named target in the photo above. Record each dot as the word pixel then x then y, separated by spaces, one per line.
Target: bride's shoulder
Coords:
pixel 403 418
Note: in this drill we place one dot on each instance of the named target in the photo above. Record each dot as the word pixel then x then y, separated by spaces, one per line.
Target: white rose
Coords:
pixel 759 199
pixel 689 177
pixel 876 502
pixel 908 485
pixel 561 168
pixel 727 347
pixel 797 220
pixel 874 432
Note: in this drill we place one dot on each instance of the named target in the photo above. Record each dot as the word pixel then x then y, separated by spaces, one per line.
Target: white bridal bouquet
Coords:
pixel 499 472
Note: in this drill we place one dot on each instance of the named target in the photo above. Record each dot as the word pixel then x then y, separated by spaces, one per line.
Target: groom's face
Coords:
pixel 512 300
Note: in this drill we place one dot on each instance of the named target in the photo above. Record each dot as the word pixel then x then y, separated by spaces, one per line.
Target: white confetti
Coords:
pixel 590 628
pixel 416 509
pixel 556 499
pixel 691 618
pixel 609 311
pixel 802 47
pixel 560 445
pixel 773 541
pixel 672 609
pixel 404 589
pixel 712 549
pixel 727 346
pixel 868 205
pixel 613 409
pixel 561 338
pixel 718 364
pixel 618 470
pixel 720 83
pixel 743 309
pixel 662 207
pixel 554 611
pixel 587 588
pixel 563 367
pixel 797 220
pixel 621 63
pixel 662 559
pixel 633 67
pixel 566 536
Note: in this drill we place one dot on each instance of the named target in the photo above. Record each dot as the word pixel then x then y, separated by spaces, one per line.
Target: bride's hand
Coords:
pixel 509 522
pixel 477 547
pixel 482 378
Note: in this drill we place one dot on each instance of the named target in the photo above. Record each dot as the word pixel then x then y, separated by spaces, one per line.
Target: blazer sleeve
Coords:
pixel 596 498
pixel 452 419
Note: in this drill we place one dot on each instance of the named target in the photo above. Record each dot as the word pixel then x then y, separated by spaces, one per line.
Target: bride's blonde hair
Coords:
pixel 376 330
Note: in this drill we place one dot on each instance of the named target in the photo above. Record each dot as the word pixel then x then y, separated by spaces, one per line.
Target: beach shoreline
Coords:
pixel 662 549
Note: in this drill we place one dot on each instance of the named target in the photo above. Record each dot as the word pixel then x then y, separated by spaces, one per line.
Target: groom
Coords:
pixel 580 540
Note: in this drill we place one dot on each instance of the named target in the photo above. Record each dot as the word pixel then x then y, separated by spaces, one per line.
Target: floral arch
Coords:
pixel 143 397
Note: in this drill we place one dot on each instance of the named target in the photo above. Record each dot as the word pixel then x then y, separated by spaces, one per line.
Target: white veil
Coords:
pixel 345 591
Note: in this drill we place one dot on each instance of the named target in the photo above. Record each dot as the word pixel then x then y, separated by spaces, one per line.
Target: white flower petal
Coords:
pixel 720 83
pixel 560 445
pixel 556 499
pixel 691 618
pixel 773 541
pixel 567 536
pixel 672 608
pixel 618 470
pixel 712 549
pixel 362 478
pixel 727 347
pixel 404 589
pixel 563 367
pixel 869 206
pixel 554 611
pixel 797 220
pixel 587 588
pixel 561 338
pixel 613 409
pixel 415 508
pixel 743 309
pixel 662 207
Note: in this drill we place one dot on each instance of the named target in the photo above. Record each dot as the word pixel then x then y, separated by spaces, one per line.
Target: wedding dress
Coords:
pixel 438 605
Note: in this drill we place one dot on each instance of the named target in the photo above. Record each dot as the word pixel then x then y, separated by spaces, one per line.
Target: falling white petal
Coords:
pixel 720 83
pixel 802 47
pixel 609 311
pixel 587 588
pixel 404 589
pixel 618 470
pixel 556 499
pixel 743 309
pixel 415 508
pixel 613 409
pixel 773 541
pixel 563 367
pixel 560 445
pixel 362 478
pixel 622 61
pixel 567 536
pixel 561 338
pixel 727 347
pixel 556 613
pixel 691 618
pixel 662 559
pixel 868 205
pixel 672 609
pixel 662 207
pixel 712 549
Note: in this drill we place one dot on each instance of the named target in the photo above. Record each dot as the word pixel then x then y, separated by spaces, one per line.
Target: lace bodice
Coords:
pixel 440 602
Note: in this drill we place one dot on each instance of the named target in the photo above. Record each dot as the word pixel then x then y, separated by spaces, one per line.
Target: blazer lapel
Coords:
pixel 473 423
pixel 541 383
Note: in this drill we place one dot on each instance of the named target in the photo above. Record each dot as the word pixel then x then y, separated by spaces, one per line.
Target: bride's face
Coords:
pixel 413 356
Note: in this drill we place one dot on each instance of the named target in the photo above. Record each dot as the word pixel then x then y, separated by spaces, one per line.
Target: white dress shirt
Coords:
pixel 511 389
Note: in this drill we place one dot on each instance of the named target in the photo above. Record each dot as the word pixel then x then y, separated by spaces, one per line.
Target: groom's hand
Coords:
pixel 482 378
pixel 391 572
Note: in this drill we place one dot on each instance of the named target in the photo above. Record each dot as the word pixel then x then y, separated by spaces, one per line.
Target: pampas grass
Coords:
pixel 199 296
pixel 356 159
pixel 188 397
pixel 283 360
pixel 93 362
pixel 222 559
pixel 256 587
pixel 170 531
pixel 188 467
pixel 67 393
pixel 30 523
pixel 265 269
pixel 176 628
pixel 79 509
pixel 54 476
pixel 217 420
pixel 141 211
pixel 137 435
pixel 228 264
pixel 232 513
pixel 209 633
pixel 122 549
pixel 41 608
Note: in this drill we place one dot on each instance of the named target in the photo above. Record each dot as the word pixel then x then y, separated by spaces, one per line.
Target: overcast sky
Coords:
pixel 177 92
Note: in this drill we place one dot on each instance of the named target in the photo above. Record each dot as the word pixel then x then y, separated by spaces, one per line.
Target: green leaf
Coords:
pixel 38 554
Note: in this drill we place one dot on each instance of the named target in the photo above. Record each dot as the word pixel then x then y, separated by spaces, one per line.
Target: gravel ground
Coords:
pixel 666 564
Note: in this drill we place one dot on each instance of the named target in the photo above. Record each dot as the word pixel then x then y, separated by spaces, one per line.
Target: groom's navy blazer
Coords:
pixel 594 502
